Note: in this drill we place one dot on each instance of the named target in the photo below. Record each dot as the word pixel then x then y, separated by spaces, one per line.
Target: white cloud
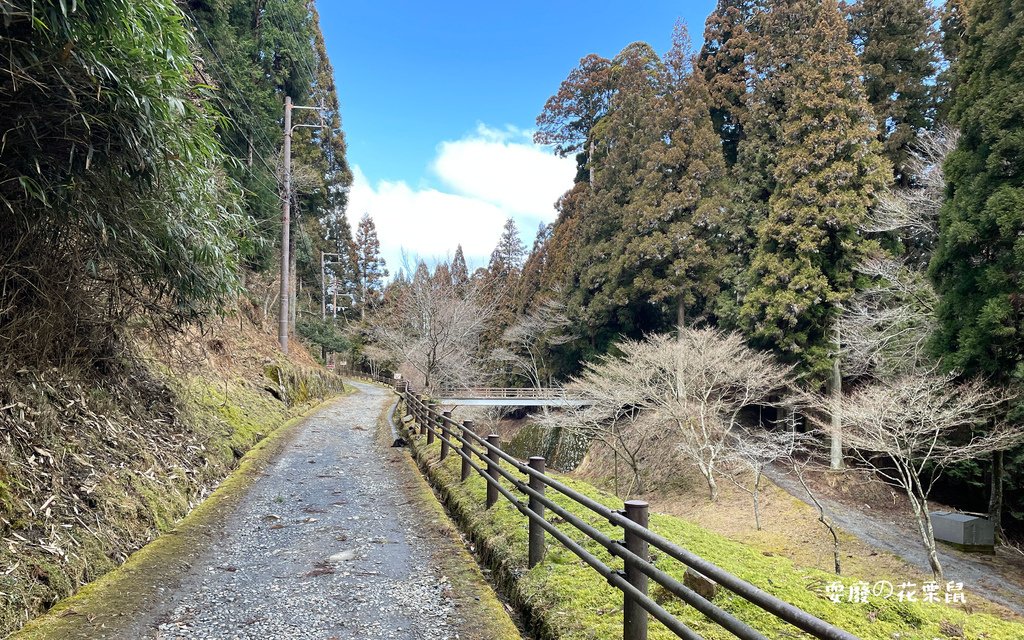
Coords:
pixel 505 168
pixel 486 178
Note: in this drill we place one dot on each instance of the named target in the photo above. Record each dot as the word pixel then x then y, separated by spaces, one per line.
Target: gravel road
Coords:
pixel 979 572
pixel 324 546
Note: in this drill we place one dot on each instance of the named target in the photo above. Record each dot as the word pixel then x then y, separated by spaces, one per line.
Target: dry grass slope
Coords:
pixel 94 464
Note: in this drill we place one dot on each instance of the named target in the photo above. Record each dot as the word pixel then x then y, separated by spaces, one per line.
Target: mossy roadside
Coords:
pixel 563 598
pixel 123 592
pixel 482 615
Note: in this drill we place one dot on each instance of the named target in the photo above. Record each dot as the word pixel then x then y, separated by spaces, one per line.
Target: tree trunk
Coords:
pixel 590 163
pixel 680 315
pixel 712 486
pixel 933 554
pixel 995 501
pixel 821 518
pixel 756 495
pixel 835 546
pixel 924 527
pixel 835 388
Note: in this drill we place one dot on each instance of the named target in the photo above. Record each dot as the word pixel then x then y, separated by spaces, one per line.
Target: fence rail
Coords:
pixel 633 549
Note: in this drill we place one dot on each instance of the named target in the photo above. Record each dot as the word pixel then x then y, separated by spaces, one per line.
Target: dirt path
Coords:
pixel 988 576
pixel 338 538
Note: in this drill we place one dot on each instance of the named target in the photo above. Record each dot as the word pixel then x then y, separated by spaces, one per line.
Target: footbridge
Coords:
pixel 510 397
pixel 487 396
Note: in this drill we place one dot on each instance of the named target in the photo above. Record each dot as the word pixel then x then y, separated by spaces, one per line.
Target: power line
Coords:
pixel 231 81
pixel 298 30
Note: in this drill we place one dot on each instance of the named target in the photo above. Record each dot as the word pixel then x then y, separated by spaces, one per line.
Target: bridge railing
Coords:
pixel 530 498
pixel 504 393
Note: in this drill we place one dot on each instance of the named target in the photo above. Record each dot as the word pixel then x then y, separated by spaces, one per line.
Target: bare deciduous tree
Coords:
pixel 909 429
pixel 914 211
pixel 435 331
pixel 694 386
pixel 377 358
pixel 624 430
pixel 753 451
pixel 802 461
pixel 886 326
pixel 527 343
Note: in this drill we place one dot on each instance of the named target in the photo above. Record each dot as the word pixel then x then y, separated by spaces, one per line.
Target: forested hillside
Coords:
pixel 140 226
pixel 797 245
pixel 839 185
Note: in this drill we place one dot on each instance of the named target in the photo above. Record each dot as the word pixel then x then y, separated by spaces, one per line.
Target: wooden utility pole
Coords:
pixel 323 288
pixel 287 318
pixel 282 327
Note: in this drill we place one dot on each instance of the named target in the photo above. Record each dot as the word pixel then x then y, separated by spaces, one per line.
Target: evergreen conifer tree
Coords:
pixel 669 235
pixel 508 256
pixel 370 266
pixel 622 140
pixel 460 272
pixel 827 170
pixel 953 27
pixel 979 259
pixel 725 62
pixel 898 55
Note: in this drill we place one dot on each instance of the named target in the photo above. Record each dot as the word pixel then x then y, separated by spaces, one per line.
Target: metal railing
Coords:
pixel 633 549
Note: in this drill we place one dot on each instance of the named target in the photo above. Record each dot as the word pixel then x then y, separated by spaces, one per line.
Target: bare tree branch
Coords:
pixel 911 428
pixel 435 331
pixel 692 387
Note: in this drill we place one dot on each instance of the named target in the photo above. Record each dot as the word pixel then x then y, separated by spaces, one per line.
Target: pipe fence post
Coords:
pixel 537 550
pixel 493 461
pixel 634 617
pixel 467 426
pixel 422 413
pixel 431 410
pixel 445 433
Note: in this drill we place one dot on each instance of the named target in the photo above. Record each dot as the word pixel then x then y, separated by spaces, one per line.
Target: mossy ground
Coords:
pixel 94 467
pixel 567 600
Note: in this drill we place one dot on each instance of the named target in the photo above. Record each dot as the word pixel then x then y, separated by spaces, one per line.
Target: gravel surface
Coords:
pixel 324 546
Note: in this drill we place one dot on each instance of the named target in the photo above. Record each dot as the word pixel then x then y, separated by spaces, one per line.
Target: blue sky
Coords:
pixel 438 100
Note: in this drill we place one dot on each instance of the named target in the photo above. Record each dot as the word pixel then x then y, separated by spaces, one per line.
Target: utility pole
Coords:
pixel 338 257
pixel 323 288
pixel 282 327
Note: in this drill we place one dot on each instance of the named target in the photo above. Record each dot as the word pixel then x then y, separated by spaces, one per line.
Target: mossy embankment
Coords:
pixel 96 464
pixel 565 599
